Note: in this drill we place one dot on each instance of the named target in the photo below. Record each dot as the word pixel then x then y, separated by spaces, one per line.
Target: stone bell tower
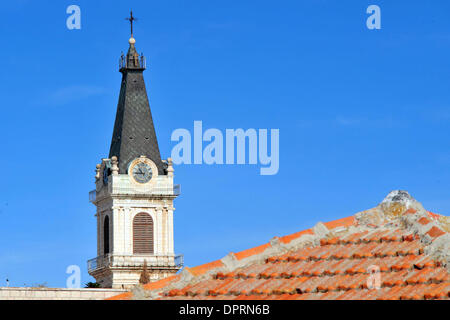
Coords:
pixel 134 191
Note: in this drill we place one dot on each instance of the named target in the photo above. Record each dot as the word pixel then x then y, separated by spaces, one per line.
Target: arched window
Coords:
pixel 143 234
pixel 106 235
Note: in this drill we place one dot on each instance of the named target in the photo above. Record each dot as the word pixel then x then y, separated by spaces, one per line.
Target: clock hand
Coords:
pixel 141 174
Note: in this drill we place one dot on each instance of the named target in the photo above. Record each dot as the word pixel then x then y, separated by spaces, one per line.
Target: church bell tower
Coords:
pixel 134 191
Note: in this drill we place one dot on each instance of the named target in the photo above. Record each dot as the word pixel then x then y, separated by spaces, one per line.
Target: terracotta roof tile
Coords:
pixel 424 221
pixel 345 265
pixel 162 283
pixel 122 296
pixel 344 222
pixel 289 238
pixel 199 270
pixel 250 252
pixel 435 232
pixel 434 215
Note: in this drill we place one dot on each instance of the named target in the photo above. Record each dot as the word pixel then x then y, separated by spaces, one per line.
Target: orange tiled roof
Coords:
pixel 397 250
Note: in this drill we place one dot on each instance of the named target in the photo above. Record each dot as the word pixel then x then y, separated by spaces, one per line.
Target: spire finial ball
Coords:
pixel 132 41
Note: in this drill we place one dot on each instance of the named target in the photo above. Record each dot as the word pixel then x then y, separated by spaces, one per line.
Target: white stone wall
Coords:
pixel 121 211
pixel 56 294
pixel 122 199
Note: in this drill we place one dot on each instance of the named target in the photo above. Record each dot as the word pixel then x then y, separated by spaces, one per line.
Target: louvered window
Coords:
pixel 143 234
pixel 106 235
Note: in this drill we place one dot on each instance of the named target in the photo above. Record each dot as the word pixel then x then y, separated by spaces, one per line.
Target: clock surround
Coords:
pixel 142 171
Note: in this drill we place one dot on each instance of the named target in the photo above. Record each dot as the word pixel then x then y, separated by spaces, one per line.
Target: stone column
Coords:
pixel 115 233
pixel 121 227
pixel 99 233
pixel 127 232
pixel 170 249
pixel 158 232
pixel 165 233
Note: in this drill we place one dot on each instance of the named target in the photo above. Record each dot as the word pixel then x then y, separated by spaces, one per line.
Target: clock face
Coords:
pixel 142 172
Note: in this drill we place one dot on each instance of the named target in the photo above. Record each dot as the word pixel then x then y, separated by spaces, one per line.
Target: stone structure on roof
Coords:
pixel 134 191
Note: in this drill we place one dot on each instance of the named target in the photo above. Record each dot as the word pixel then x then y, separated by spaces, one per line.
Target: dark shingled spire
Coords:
pixel 134 134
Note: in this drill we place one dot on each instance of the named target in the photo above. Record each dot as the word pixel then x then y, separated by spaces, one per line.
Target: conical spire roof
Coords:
pixel 134 133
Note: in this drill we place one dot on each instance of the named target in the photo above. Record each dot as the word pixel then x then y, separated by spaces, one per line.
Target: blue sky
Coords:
pixel 361 112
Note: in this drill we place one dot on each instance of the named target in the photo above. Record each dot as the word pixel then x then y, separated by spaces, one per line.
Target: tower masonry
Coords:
pixel 134 191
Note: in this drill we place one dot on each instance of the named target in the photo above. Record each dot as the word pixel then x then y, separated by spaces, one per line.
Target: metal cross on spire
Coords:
pixel 131 19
